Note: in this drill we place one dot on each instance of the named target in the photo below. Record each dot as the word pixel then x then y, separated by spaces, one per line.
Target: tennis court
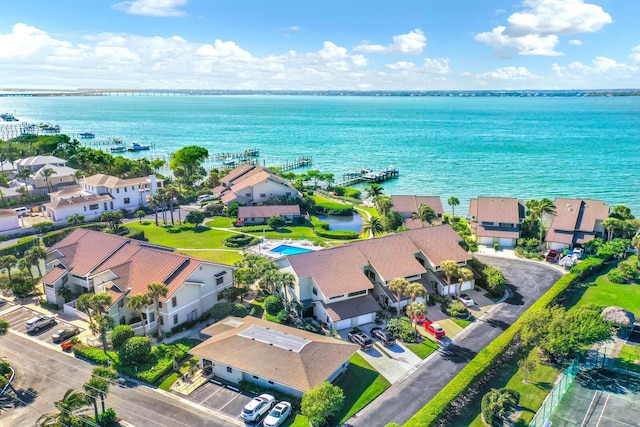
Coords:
pixel 599 398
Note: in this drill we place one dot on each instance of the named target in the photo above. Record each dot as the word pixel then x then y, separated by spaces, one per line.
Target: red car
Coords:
pixel 435 330
pixel 552 256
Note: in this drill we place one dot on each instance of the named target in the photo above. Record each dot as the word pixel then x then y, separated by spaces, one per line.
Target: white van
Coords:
pixel 21 211
pixel 205 198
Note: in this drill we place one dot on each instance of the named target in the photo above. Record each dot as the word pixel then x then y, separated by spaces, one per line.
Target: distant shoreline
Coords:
pixel 380 93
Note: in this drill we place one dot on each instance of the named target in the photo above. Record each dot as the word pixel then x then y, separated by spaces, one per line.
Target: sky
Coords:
pixel 320 45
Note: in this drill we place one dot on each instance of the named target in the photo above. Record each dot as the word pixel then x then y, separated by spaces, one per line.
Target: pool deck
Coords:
pixel 264 249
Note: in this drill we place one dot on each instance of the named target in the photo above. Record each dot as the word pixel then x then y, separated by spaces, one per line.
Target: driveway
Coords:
pixel 528 281
pixel 221 399
pixel 19 316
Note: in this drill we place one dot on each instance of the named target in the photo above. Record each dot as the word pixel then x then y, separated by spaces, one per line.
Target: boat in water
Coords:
pixel 118 149
pixel 138 147
pixel 48 128
pixel 87 135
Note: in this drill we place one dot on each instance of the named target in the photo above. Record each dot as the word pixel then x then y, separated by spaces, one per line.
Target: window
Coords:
pixel 133 188
pixel 219 280
pixel 93 207
pixel 105 206
pixel 270 382
pixel 126 200
pixel 222 273
pixel 121 304
pixel 229 369
pixel 118 190
pixel 175 319
pixel 353 294
pixel 85 208
pixel 370 274
pixel 159 304
pixel 174 301
pixel 247 194
pixel 336 297
pixel 255 377
pixel 161 320
pixel 125 189
pixel 505 224
pixel 314 290
pixel 111 205
pixel 262 195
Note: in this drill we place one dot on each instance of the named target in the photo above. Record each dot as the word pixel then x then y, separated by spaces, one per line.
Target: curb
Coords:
pixel 13 375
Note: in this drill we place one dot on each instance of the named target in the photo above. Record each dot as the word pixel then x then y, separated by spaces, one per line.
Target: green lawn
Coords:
pixel 532 394
pixel 182 236
pixel 603 292
pixel 221 222
pixel 463 323
pixel 629 358
pixel 229 257
pixel 372 211
pixel 423 350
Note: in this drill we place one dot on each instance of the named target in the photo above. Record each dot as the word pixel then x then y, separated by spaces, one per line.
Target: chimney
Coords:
pixel 153 185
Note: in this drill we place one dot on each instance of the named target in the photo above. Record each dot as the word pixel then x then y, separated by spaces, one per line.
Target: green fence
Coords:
pixel 554 397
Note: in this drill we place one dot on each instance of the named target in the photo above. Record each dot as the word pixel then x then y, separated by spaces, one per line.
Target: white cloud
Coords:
pixel 602 72
pixel 413 42
pixel 508 74
pixel 294 28
pixel 157 8
pixel 436 66
pixel 359 60
pixel 635 54
pixel 402 65
pixel 535 30
pixel 575 42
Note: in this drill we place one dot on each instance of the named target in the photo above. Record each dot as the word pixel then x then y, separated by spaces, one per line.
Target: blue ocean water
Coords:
pixel 526 147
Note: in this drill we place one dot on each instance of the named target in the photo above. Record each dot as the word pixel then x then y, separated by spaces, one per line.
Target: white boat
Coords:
pixel 138 147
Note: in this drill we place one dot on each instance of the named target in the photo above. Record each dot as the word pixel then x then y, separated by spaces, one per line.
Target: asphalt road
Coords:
pixel 43 375
pixel 403 399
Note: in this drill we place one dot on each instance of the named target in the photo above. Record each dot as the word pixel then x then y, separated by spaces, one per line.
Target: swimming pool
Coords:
pixel 290 250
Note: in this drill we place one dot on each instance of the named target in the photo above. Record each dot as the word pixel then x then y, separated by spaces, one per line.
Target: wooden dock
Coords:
pixel 298 163
pixel 367 175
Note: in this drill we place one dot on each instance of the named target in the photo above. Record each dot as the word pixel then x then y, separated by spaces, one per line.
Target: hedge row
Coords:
pixel 137 234
pixel 240 240
pixel 337 234
pixel 334 208
pixel 479 365
pixel 21 247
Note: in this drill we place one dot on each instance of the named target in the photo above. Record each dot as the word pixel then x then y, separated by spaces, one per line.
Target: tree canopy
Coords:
pixel 322 402
pixel 186 163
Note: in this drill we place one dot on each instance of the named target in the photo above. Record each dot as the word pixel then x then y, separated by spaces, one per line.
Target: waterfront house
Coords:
pixel 252 185
pixel 92 261
pixel 35 163
pixel 496 220
pixel 576 221
pixel 408 206
pixel 271 355
pixel 249 215
pixel 101 193
pixel 38 182
pixel 346 285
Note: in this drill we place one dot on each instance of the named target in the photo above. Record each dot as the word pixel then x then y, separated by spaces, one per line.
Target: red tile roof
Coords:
pixel 411 204
pixel 239 172
pixel 267 211
pixel 53 275
pixel 392 256
pixel 351 308
pixel 498 232
pixel 496 209
pixel 575 220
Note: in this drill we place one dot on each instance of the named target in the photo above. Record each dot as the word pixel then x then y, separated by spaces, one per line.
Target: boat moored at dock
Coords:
pixel 138 147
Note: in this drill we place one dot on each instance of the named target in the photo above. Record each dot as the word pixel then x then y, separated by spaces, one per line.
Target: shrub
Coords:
pixel 120 334
pixel 497 403
pixel 273 304
pixel 283 317
pixel 137 234
pixel 456 309
pixel 135 351
pixel 495 281
pixel 239 310
pixel 221 310
pixel 96 355
pixel 240 240
pixel 275 222
pixel 322 225
pixel 107 418
pixel 21 247
pixel 615 276
pixel 496 246
pixel 337 234
pixel 402 329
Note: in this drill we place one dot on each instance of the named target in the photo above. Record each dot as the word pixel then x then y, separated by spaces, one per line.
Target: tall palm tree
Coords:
pixel 94 389
pixel 425 214
pixel 103 324
pixel 373 226
pixel 415 290
pixel 414 311
pixel 137 303
pixel 8 262
pixel 285 280
pixel 24 175
pixel 269 280
pixel 537 208
pixel 100 302
pixel 464 275
pixel 398 285
pixel 84 304
pixel 373 190
pixel 450 269
pixel 171 194
pixel 155 202
pixel 383 204
pixel 70 408
pixel 611 225
pixel 35 254
pixel 453 201
pixel 48 173
pixel 25 265
pixel 157 290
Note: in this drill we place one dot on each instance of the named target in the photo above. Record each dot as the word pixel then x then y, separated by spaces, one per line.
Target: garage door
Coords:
pixel 365 318
pixel 506 242
pixel 343 324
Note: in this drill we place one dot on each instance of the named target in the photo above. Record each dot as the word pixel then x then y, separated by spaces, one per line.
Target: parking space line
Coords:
pixel 211 395
pixel 232 399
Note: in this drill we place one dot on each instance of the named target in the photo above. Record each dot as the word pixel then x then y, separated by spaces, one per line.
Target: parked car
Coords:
pixel 552 256
pixel 278 415
pixel 578 252
pixel 66 346
pixel 466 300
pixel 384 336
pixel 435 330
pixel 65 334
pixel 258 407
pixel 356 336
pixel 36 323
pixel 2 302
pixel 205 198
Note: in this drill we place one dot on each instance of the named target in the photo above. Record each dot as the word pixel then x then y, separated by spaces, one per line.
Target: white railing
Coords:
pixel 138 329
pixel 70 308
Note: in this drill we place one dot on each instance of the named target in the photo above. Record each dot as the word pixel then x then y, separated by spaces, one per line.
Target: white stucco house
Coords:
pixel 346 285
pixel 38 183
pixel 100 193
pixel 9 220
pixel 276 356
pixel 91 261
pixel 253 185
pixel 496 220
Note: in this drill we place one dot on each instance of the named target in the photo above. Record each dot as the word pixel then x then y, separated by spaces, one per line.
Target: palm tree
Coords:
pixel 610 224
pixel 4 182
pixel 4 327
pixel 171 193
pixel 137 303
pixel 84 304
pixel 635 243
pixel 96 388
pixel 8 262
pixel 464 275
pixel 269 280
pixel 450 269
pixel 155 202
pixel 157 290
pixel 453 201
pixel 373 226
pixel 100 302
pixel 25 265
pixel 383 204
pixel 425 214
pixel 285 281
pixel 415 290
pixel 500 403
pixel 35 254
pixel 103 324
pixel 70 410
pixel 373 190
pixel 537 208
pixel 414 311
pixel 398 285
pixel 48 173
pixel 140 214
pixel 75 219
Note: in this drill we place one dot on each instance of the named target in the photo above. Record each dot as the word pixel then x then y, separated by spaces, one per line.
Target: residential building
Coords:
pixel 62 176
pixel 101 193
pixel 249 215
pixel 408 206
pixel 9 219
pixel 91 261
pixel 252 185
pixel 575 222
pixel 346 285
pixel 35 163
pixel 271 355
pixel 496 220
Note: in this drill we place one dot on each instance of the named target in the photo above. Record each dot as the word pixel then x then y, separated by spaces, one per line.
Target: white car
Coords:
pixel 578 252
pixel 36 323
pixel 278 415
pixel 205 198
pixel 466 300
pixel 259 406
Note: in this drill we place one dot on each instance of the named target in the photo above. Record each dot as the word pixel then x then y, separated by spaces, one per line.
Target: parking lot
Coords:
pixel 18 317
pixel 221 399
